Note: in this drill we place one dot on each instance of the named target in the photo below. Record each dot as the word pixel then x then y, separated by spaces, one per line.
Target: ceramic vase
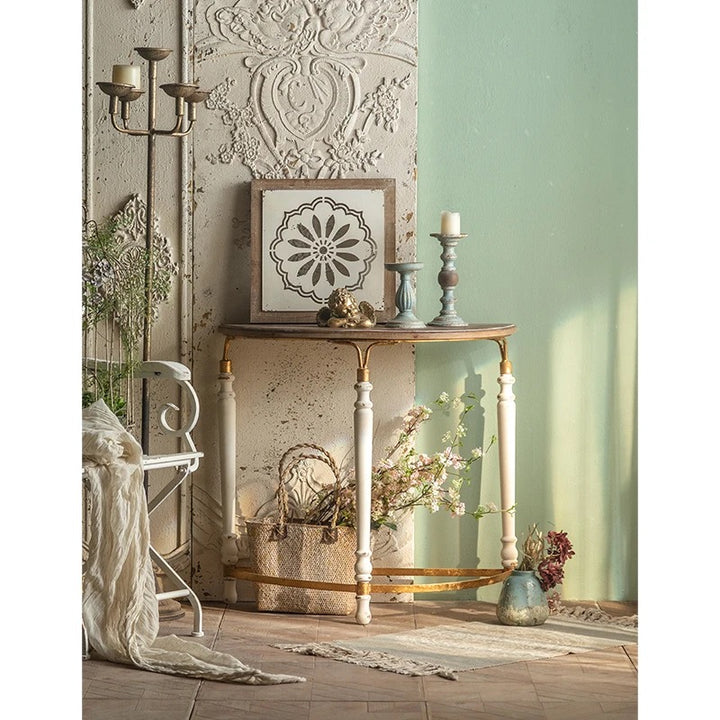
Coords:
pixel 522 600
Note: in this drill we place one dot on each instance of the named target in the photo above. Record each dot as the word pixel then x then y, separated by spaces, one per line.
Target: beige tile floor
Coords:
pixel 586 686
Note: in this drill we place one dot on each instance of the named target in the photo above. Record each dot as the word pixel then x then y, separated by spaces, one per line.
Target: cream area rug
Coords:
pixel 448 649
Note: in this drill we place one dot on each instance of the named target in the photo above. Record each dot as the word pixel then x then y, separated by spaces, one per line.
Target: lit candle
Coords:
pixel 127 75
pixel 449 223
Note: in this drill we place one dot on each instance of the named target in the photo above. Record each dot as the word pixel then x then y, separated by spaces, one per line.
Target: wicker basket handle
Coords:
pixel 288 463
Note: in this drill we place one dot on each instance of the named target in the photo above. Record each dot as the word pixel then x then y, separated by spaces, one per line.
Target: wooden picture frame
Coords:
pixel 309 237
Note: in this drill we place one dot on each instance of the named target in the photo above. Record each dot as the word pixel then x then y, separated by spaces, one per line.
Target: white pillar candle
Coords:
pixel 449 223
pixel 127 75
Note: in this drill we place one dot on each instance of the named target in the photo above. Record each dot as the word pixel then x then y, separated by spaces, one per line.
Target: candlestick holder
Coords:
pixel 187 96
pixel 448 280
pixel 405 295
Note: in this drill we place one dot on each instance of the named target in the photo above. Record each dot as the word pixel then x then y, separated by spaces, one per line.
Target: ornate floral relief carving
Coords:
pixel 293 27
pixel 132 229
pixel 136 3
pixel 385 541
pixel 116 279
pixel 306 115
pixel 383 104
pixel 302 488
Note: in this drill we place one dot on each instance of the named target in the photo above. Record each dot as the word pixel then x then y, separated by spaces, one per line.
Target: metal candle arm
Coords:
pixel 184 94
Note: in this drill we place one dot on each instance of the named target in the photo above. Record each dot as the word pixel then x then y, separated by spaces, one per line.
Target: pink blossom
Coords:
pixel 405 478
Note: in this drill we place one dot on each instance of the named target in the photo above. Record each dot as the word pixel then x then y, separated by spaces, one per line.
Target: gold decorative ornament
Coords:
pixel 343 310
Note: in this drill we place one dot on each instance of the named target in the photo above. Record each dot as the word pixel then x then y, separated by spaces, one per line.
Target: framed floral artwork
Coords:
pixel 309 237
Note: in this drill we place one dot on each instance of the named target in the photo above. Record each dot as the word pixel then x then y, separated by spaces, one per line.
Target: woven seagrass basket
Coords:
pixel 297 551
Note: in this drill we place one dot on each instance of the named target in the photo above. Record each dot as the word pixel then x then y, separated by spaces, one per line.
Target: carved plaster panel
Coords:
pixel 312 109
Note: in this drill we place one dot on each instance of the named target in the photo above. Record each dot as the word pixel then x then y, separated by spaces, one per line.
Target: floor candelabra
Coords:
pixel 125 89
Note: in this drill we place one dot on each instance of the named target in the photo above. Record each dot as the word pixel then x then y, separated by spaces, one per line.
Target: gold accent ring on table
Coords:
pixel 482 577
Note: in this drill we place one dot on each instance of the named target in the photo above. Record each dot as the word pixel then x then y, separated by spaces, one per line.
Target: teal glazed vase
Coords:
pixel 522 600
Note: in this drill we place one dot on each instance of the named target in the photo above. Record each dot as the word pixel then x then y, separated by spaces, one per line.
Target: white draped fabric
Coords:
pixel 120 610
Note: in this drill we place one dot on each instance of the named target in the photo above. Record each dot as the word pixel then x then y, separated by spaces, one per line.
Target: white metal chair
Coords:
pixel 184 461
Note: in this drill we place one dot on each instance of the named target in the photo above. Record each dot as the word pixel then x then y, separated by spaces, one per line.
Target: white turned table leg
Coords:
pixel 506 450
pixel 227 434
pixel 363 421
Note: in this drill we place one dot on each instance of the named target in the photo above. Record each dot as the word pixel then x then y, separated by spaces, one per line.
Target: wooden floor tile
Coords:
pixel 599 685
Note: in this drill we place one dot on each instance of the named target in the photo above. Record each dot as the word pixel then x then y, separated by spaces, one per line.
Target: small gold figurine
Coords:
pixel 343 310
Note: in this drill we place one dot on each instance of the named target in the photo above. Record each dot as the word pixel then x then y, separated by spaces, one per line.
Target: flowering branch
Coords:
pixel 406 478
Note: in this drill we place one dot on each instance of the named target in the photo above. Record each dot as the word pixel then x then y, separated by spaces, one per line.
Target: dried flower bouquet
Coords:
pixel 546 555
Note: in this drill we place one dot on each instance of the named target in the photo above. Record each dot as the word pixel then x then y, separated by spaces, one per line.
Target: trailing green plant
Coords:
pixel 113 282
pixel 107 382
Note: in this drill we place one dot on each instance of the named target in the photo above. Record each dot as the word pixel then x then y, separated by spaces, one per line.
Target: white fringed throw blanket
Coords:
pixel 120 610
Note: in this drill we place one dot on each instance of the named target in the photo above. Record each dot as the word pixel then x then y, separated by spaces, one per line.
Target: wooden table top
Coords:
pixel 476 331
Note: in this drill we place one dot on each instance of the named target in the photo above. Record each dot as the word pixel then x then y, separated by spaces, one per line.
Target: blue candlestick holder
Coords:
pixel 405 295
pixel 448 280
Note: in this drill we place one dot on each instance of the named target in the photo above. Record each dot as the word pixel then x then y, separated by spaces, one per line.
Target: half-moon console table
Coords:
pixel 363 340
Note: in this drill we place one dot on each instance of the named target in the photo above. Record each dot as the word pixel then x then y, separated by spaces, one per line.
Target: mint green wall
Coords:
pixel 527 127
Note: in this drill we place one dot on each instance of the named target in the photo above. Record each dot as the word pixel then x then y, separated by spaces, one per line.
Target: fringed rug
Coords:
pixel 448 649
